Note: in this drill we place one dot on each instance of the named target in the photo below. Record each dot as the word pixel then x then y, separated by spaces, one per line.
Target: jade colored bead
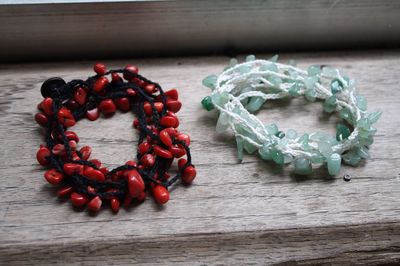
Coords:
pixel 346 115
pixel 291 134
pixel 207 103
pixel 294 89
pixel 277 156
pixel 265 152
pixel 302 166
pixel 304 141
pixel 223 122
pixel 272 129
pixel 361 102
pixel 314 70
pixel 280 134
pixel 240 146
pixel 363 152
pixel 351 158
pixel 249 147
pixel 220 99
pixel 250 58
pixel 210 81
pixel 255 104
pixel 325 148
pixel 336 86
pixel 310 82
pixel 373 117
pixel 334 162
pixel 274 58
pixel 244 69
pixel 330 72
pixel 342 132
pixel 310 95
pixel 317 158
pixel 269 67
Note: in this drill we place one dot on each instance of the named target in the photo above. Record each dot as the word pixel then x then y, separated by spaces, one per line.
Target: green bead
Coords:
pixel 210 81
pixel 373 117
pixel 239 146
pixel 291 134
pixel 276 81
pixel 207 103
pixel 361 102
pixel 250 58
pixel 277 156
pixel 314 70
pixel 309 82
pixel 310 95
pixel 364 123
pixel 334 162
pixel 304 141
pixel 255 104
pixel 233 62
pixel 272 129
pixel 244 69
pixel 292 62
pixel 220 99
pixel 265 152
pixel 363 152
pixel 336 86
pixel 317 158
pixel 249 147
pixel 274 58
pixel 325 148
pixel 287 158
pixel 269 67
pixel 346 115
pixel 342 132
pixel 330 72
pixel 280 134
pixel 223 122
pixel 302 166
pixel 294 89
pixel 330 104
pixel 351 158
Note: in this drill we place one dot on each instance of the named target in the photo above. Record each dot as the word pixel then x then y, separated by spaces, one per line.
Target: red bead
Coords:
pixel 92 114
pixel 64 191
pixel 91 190
pixel 65 117
pixel 142 196
pixel 188 175
pixel 123 104
pixel 80 96
pixel 100 84
pixel 73 168
pixel 171 131
pixel 104 170
pixel 127 200
pixel 181 163
pixel 173 105
pixel 150 88
pixel 72 105
pixel 115 204
pixel 143 147
pixel 168 121
pixel 107 107
pixel 42 155
pixel 70 136
pixel 131 163
pixel 161 194
pixel 72 145
pixel 149 111
pixel 177 152
pixel 47 106
pixel 147 160
pixel 58 149
pixel 172 94
pixel 131 92
pixel 95 204
pixel 85 151
pixel 100 68
pixel 183 137
pixel 96 162
pixel 162 152
pixel 78 200
pixel 135 183
pixel 115 78
pixel 41 119
pixel 165 137
pixel 132 69
pixel 94 174
pixel 135 123
pixel 53 177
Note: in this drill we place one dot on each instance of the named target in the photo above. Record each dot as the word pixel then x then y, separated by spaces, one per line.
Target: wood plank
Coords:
pixel 248 213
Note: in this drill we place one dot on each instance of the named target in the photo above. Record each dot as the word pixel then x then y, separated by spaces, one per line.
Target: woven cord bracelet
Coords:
pixel 86 181
pixel 243 88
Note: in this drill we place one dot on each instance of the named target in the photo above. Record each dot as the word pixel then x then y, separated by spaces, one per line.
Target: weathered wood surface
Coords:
pixel 248 213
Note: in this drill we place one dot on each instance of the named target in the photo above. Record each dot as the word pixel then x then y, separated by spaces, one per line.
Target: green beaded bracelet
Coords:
pixel 242 89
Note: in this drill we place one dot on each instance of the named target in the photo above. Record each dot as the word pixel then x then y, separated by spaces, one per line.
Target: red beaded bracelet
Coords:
pixel 86 181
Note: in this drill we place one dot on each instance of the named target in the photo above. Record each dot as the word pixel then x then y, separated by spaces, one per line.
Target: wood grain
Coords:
pixel 248 213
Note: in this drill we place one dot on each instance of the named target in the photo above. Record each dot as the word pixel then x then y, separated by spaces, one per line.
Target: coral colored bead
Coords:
pixel 100 68
pixel 183 137
pixel 91 190
pixel 78 200
pixel 172 94
pixel 96 162
pixel 181 163
pixel 173 105
pixel 171 131
pixel 115 78
pixel 123 104
pixel 147 160
pixel 94 174
pixel 177 152
pixel 42 155
pixel 150 88
pixel 135 123
pixel 162 152
pixel 70 136
pixel 160 194
pixel 135 183
pixel 165 137
pixel 80 96
pixel 130 69
pixel 95 204
pixel 104 170
pixel 65 117
pixel 149 110
pixel 100 84
pixel 64 191
pixel 85 152
pixel 47 106
pixel 131 163
pixel 143 147
pixel 72 145
pixel 107 107
pixel 93 114
pixel 58 149
pixel 131 92
pixel 188 175
pixel 115 204
pixel 53 177
pixel 73 168
pixel 168 121
pixel 41 119
pixel 142 196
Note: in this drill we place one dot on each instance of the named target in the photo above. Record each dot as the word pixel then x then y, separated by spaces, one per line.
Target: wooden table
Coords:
pixel 248 213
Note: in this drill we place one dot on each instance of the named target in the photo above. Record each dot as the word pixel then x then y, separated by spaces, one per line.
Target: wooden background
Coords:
pixel 248 213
